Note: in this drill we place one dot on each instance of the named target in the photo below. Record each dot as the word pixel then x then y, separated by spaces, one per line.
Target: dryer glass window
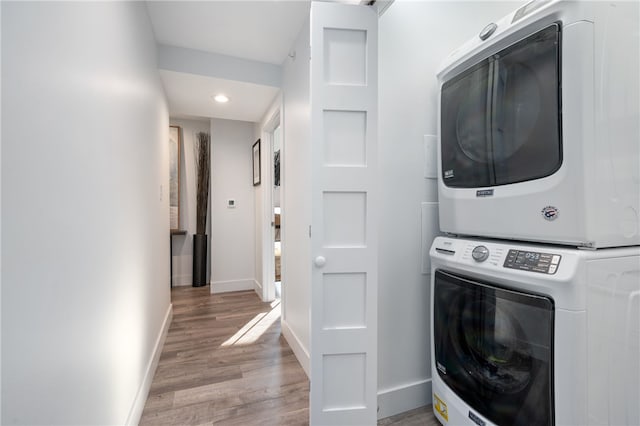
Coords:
pixel 501 120
pixel 493 348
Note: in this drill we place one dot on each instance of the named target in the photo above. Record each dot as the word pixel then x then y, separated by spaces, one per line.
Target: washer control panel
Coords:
pixel 545 263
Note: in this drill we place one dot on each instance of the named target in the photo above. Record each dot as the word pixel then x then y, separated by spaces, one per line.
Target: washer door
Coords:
pixel 494 349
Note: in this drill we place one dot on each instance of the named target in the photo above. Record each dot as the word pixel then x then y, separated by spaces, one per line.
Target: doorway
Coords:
pixel 273 212
pixel 277 209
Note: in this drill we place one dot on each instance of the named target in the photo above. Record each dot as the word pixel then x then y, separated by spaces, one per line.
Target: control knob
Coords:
pixel 480 253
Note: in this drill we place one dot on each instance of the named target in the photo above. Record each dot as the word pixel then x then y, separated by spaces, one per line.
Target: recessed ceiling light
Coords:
pixel 221 98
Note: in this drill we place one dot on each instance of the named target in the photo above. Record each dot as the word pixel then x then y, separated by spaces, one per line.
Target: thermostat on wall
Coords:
pixel 231 203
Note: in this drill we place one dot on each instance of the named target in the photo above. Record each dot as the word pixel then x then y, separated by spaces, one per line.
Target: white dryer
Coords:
pixel 526 334
pixel 539 127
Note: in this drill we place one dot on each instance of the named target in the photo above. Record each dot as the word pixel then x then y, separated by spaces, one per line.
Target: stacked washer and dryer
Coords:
pixel 536 287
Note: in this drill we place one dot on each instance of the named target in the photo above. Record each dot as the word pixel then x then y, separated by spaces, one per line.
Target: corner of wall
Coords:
pixel 403 398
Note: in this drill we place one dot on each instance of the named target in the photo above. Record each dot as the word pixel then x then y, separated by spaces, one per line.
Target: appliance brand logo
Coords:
pixel 448 174
pixel 441 367
pixel 484 193
pixel 477 420
pixel 550 213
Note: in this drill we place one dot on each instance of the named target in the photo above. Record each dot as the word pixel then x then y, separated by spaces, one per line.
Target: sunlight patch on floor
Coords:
pixel 255 328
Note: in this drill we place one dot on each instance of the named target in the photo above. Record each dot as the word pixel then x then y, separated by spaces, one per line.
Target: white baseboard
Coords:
pixel 257 287
pixel 298 348
pixel 143 392
pixel 403 398
pixel 234 285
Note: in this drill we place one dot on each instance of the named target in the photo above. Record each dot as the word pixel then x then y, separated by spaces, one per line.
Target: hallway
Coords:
pixel 225 362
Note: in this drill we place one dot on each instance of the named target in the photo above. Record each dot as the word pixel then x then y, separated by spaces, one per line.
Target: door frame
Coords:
pixel 267 232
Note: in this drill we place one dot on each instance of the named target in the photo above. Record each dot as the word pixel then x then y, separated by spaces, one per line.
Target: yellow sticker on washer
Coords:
pixel 440 407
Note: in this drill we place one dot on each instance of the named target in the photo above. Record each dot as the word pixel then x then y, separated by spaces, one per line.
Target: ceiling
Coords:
pixel 262 31
pixel 191 95
pixel 258 30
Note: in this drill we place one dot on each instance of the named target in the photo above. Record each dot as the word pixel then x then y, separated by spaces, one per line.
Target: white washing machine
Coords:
pixel 539 135
pixel 529 334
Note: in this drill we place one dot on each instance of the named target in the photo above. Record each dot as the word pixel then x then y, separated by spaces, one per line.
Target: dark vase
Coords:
pixel 199 260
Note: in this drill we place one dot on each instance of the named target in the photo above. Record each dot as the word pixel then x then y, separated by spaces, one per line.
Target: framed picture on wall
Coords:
pixel 256 163
pixel 174 178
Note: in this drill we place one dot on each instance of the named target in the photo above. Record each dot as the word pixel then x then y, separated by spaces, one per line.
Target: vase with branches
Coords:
pixel 202 153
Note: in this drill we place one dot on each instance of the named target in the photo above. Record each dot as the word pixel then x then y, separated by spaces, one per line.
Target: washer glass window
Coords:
pixel 501 119
pixel 494 349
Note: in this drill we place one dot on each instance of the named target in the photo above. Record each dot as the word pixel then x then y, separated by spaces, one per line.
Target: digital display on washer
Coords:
pixel 545 263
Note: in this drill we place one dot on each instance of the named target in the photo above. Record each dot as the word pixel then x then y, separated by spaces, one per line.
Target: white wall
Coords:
pixel 85 277
pixel 259 201
pixel 414 38
pixel 232 229
pixel 183 244
pixel 296 200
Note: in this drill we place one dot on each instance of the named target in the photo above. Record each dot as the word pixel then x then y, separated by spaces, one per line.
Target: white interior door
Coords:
pixel 344 220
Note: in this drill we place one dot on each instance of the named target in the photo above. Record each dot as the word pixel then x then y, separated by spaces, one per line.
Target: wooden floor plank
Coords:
pixel 422 416
pixel 225 362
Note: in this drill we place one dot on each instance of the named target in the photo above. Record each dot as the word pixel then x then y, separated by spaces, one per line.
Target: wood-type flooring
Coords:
pixel 225 362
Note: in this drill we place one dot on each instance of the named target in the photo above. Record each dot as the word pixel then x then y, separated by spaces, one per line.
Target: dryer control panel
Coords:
pixel 545 263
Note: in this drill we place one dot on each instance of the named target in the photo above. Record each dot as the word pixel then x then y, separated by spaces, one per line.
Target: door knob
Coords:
pixel 320 261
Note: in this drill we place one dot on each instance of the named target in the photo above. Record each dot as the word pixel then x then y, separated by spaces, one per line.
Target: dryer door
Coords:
pixel 494 349
pixel 501 119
